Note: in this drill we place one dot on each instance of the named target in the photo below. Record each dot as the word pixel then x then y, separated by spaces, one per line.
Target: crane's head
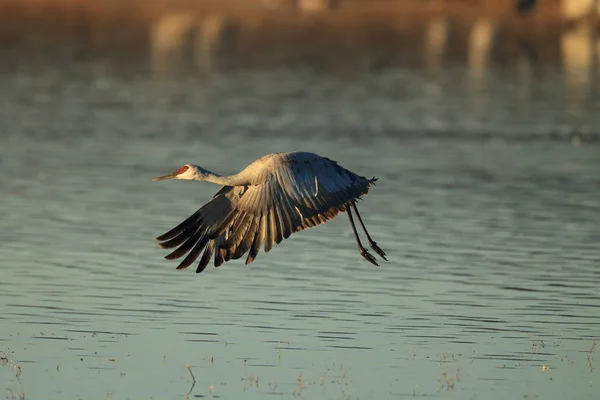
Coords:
pixel 187 172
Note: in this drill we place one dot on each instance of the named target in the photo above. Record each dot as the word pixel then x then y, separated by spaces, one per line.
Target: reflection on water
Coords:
pixel 581 65
pixel 207 43
pixel 489 214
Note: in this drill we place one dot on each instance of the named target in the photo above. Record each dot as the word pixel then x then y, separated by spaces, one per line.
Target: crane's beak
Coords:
pixel 172 175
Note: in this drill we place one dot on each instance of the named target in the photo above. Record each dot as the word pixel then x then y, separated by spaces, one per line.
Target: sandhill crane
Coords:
pixel 275 196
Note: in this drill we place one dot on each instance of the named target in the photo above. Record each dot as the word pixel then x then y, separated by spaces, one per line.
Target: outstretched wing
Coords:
pixel 297 192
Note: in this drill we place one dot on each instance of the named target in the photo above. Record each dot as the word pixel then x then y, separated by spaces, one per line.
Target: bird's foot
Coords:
pixel 377 249
pixel 368 256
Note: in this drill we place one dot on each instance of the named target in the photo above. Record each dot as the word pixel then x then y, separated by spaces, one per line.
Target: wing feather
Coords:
pixel 239 234
pixel 194 253
pixel 208 252
pixel 257 241
pixel 181 227
pixel 246 241
pixel 219 253
pixel 174 242
pixel 187 246
pixel 237 229
pixel 276 210
pixel 270 231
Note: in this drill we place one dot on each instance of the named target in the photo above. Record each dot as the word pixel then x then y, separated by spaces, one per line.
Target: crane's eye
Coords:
pixel 182 169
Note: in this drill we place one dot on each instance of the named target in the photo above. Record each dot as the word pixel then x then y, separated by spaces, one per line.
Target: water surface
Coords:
pixel 488 207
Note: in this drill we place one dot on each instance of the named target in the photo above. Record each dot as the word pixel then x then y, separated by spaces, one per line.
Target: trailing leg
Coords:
pixel 363 252
pixel 372 243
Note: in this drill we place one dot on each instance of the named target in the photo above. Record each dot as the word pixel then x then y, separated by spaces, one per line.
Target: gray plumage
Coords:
pixel 275 196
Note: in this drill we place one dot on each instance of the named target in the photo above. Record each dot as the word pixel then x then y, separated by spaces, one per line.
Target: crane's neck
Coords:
pixel 230 180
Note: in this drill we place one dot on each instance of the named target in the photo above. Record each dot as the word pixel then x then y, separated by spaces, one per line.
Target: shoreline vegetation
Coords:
pixel 260 31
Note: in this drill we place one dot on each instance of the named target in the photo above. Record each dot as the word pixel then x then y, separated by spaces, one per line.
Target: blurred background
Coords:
pixel 534 52
pixel 480 117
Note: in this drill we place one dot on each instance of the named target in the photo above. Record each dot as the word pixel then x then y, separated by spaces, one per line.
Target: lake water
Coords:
pixel 488 206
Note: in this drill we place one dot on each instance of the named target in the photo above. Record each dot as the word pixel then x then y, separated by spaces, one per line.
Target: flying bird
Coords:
pixel 275 196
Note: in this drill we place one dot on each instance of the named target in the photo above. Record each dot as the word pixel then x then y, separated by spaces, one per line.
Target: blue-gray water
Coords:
pixel 488 206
